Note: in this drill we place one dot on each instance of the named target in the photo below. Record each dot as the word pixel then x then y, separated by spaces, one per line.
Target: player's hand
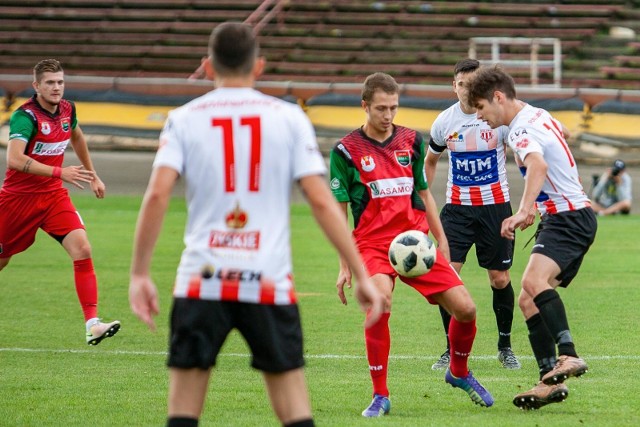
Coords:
pixel 509 225
pixel 371 301
pixel 77 175
pixel 443 247
pixel 143 299
pixel 530 219
pixel 344 278
pixel 98 187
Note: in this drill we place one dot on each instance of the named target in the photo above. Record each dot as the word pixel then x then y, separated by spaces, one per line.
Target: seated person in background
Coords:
pixel 612 193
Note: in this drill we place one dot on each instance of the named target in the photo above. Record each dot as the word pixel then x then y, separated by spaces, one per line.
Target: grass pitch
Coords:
pixel 50 377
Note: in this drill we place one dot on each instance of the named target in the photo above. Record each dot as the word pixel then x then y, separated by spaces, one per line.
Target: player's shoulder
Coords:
pixel 403 133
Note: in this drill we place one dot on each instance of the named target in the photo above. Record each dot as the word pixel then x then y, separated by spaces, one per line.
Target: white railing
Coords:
pixel 533 62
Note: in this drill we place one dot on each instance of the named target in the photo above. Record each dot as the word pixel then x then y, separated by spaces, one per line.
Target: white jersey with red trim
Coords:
pixel 238 151
pixel 534 130
pixel 477 169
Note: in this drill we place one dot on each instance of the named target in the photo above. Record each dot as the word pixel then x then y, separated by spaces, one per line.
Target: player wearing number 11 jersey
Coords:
pixel 239 151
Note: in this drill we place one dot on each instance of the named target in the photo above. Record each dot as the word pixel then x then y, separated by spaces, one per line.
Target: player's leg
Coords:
pixel 495 254
pixel 77 246
pixel 462 332
pixel 503 307
pixel 187 391
pixel 20 219
pixel 274 335
pixel 378 337
pixel 560 248
pixel 198 329
pixel 544 351
pixel 65 225
pixel 378 345
pixel 457 222
pixel 289 397
pixel 552 311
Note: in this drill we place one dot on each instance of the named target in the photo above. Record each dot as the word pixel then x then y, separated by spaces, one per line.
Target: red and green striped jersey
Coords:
pixel 381 180
pixel 47 136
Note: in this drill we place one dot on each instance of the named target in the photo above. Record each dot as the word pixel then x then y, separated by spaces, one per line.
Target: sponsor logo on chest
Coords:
pixel 49 148
pixel 392 187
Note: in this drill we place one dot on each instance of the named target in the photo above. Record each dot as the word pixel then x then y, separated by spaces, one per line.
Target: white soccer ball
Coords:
pixel 412 253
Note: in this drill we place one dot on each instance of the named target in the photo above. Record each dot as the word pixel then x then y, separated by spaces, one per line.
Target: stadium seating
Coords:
pixel 311 40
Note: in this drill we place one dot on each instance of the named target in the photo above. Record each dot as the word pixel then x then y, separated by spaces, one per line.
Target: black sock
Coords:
pixel 503 303
pixel 446 319
pixel 554 316
pixel 301 423
pixel 542 344
pixel 182 422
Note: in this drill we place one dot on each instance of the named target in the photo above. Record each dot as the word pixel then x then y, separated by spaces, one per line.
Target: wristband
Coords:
pixel 57 172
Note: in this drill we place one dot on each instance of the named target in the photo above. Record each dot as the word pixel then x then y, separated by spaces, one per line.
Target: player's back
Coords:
pixel 239 152
pixel 535 130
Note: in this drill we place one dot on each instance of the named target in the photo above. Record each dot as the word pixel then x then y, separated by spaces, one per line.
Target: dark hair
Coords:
pixel 233 49
pixel 466 65
pixel 46 66
pixel 377 81
pixel 487 80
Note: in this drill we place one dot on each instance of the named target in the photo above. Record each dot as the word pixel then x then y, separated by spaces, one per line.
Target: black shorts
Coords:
pixel 465 226
pixel 200 327
pixel 565 237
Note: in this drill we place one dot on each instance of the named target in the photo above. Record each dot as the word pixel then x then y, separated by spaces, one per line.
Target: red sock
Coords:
pixel 461 336
pixel 378 343
pixel 86 287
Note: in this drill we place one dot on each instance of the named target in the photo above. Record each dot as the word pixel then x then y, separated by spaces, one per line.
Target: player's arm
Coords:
pixel 143 295
pixel 433 219
pixel 80 147
pixel 430 165
pixel 536 169
pixel 332 220
pixel 22 128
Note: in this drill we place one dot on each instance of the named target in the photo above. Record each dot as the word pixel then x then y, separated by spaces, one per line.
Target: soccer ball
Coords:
pixel 412 253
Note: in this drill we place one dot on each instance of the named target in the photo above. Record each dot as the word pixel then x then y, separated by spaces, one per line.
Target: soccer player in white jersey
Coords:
pixel 566 230
pixel 477 201
pixel 239 151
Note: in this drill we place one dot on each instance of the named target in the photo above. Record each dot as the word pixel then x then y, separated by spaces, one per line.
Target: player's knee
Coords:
pixel 4 262
pixel 464 311
pixel 525 302
pixel 499 279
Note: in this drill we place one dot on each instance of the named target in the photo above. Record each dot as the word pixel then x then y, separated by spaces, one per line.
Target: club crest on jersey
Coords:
pixel 367 163
pixel 45 128
pixel 486 134
pixel 403 157
pixel 237 218
pixel 65 124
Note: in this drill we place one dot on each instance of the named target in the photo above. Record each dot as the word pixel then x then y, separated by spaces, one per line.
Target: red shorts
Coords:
pixel 440 278
pixel 21 215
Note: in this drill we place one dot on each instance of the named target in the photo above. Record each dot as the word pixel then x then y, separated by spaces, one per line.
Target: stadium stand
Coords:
pixel 310 40
pixel 116 50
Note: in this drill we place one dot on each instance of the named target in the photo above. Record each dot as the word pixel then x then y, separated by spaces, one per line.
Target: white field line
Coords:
pixel 307 356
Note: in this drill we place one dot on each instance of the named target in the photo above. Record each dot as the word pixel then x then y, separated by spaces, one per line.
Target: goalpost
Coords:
pixel 534 62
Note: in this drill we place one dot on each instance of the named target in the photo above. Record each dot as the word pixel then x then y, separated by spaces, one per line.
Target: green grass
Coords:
pixel 50 377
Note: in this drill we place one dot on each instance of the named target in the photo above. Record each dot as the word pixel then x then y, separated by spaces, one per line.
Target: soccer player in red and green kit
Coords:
pixel 379 170
pixel 32 195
